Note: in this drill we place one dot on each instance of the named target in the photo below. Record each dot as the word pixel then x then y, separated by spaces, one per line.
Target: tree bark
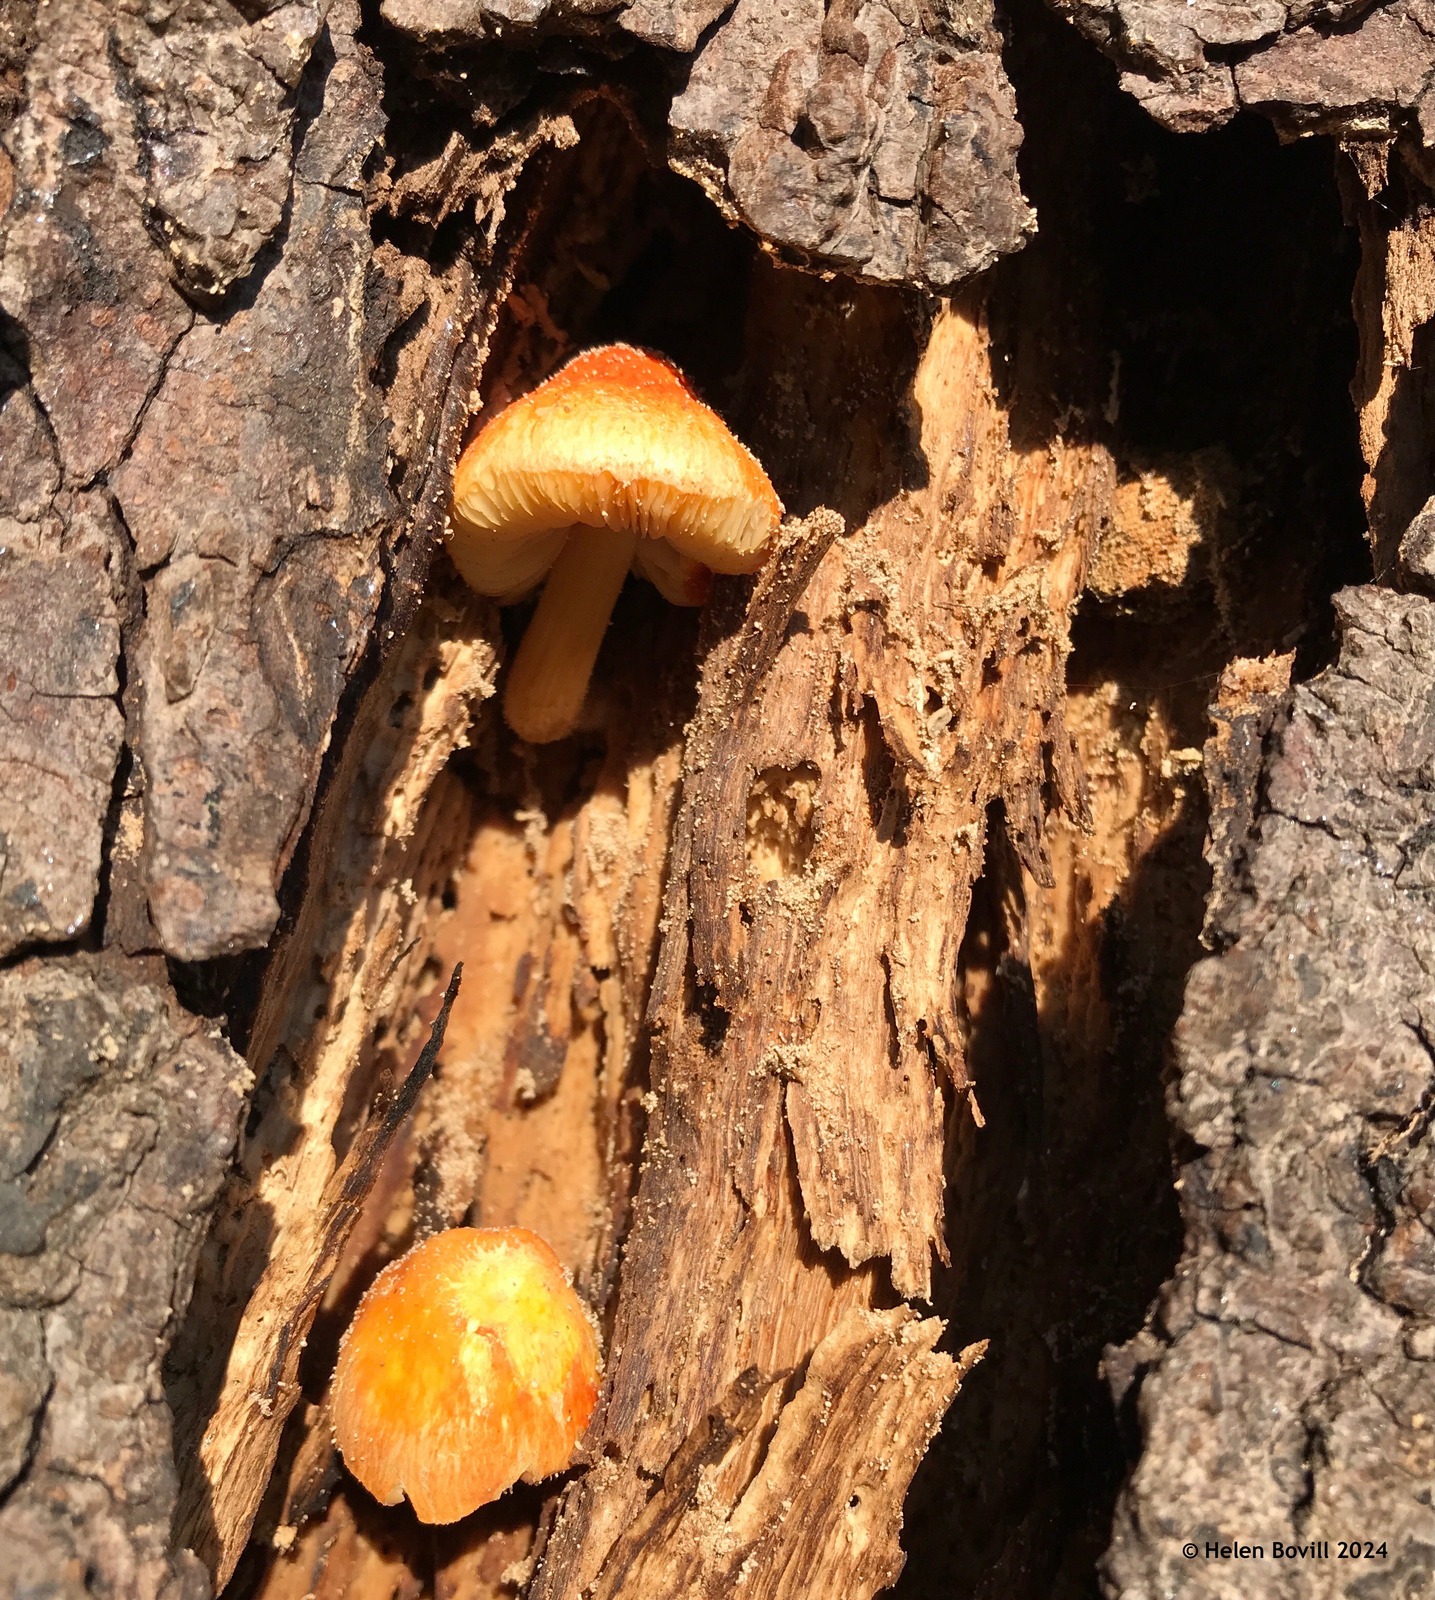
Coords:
pixel 1292 1333
pixel 817 992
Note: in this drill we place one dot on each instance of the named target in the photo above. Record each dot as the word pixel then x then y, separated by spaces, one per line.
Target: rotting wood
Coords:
pixel 1395 311
pixel 1142 786
pixel 347 957
pixel 804 1034
pixel 534 1118
pixel 1034 512
pixel 741 1510
pixel 551 898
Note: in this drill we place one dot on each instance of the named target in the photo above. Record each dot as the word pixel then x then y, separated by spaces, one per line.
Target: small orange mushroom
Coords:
pixel 612 464
pixel 470 1363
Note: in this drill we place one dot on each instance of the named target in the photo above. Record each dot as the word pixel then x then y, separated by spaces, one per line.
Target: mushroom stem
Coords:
pixel 549 675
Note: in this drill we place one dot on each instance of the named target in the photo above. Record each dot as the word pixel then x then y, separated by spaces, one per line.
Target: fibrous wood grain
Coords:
pixel 1395 311
pixel 269 1261
pixel 797 800
pixel 553 909
pixel 738 1513
pixel 852 728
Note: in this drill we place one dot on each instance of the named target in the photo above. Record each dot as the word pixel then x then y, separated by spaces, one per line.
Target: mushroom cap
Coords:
pixel 617 438
pixel 470 1363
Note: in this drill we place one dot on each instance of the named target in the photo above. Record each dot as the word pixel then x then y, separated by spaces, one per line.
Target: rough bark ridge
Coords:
pixel 117 1119
pixel 1287 1396
pixel 879 139
pixel 223 463
pixel 193 478
pixel 1311 66
pixel 61 730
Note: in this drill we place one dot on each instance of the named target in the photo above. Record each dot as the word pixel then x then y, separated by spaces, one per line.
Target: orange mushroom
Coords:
pixel 470 1363
pixel 612 464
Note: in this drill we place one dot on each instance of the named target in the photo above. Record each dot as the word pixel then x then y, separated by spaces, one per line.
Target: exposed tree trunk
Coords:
pixel 1025 870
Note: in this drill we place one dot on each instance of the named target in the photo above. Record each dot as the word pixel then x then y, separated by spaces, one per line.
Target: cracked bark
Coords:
pixel 1295 1335
pixel 1362 72
pixel 120 1113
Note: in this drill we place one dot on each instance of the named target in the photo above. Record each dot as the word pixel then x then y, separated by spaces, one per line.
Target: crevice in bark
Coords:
pixel 124 771
pixel 1215 276
pixel 30 949
pixel 1086 1284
